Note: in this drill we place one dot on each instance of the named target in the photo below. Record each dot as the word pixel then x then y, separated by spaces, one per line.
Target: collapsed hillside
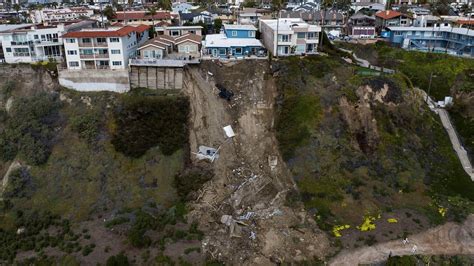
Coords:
pixel 371 161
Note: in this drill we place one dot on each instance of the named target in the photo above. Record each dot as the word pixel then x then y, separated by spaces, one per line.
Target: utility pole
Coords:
pixel 429 87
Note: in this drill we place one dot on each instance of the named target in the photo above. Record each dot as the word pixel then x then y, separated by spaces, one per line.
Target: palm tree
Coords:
pixel 152 12
pixel 276 7
pixel 17 9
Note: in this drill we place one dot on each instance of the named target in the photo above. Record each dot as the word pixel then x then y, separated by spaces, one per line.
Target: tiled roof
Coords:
pixel 160 15
pixel 189 37
pixel 119 32
pixel 388 14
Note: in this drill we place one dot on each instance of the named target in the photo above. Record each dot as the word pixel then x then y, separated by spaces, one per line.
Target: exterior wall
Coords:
pixel 34 43
pixel 224 52
pixel 188 48
pixel 160 52
pixel 156 77
pixel 231 33
pixel 104 80
pixel 268 37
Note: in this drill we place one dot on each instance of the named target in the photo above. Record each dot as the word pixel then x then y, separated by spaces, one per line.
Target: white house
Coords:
pixel 108 48
pixel 295 37
pixel 32 43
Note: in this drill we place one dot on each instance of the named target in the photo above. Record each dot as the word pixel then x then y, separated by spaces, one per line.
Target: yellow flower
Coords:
pixel 392 220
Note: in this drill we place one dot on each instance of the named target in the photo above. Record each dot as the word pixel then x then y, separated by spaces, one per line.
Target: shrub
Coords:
pixel 29 130
pixel 86 125
pixel 118 260
pixel 190 181
pixel 145 122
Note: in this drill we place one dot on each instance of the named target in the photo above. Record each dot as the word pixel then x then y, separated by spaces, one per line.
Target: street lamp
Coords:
pixel 432 75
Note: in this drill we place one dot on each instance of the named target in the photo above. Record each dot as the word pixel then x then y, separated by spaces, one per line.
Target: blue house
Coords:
pixel 234 41
pixel 438 39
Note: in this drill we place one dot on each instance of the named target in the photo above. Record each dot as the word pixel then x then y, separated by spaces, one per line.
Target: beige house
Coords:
pixel 167 47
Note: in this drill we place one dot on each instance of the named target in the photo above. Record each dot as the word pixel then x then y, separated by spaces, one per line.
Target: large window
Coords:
pixel 72 52
pixel 311 35
pixel 252 34
pixel 101 40
pixel 86 40
pixel 70 40
pixel 301 35
pixel 114 39
pixel 283 37
pixel 117 63
pixel 73 64
pixel 86 51
pixel 174 33
pixel 115 51
pixel 238 50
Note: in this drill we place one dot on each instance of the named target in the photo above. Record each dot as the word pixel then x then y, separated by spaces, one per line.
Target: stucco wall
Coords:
pixel 95 80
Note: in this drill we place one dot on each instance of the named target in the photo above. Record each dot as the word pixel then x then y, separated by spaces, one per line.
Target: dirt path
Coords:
pixel 447 239
pixel 250 183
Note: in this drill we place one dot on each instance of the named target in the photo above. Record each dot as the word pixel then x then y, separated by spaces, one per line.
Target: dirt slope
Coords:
pixel 447 239
pixel 251 181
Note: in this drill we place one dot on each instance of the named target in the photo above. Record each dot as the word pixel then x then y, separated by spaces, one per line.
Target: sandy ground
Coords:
pixel 447 239
pixel 251 180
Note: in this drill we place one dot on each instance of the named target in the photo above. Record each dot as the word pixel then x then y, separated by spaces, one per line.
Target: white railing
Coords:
pixel 162 62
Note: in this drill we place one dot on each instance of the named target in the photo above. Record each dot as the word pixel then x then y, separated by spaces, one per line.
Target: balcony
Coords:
pixel 85 44
pixel 93 56
pixel 15 43
pixel 21 54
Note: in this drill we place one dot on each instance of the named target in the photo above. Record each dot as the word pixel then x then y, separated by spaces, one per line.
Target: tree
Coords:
pixel 118 260
pixel 109 12
pixel 217 25
pixel 17 9
pixel 152 12
pixel 164 4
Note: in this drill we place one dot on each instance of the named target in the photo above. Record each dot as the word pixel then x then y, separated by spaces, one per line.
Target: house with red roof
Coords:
pixel 103 48
pixel 143 17
pixel 391 18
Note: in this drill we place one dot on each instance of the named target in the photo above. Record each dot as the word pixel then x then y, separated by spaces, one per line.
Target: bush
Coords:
pixel 190 181
pixel 118 260
pixel 145 122
pixel 29 130
pixel 86 125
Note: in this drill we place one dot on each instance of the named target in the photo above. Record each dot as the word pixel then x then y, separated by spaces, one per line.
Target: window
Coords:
pixel 117 63
pixel 86 40
pixel 70 40
pixel 114 40
pixel 73 64
pixel 36 37
pixel 86 51
pixel 115 51
pixel 252 34
pixel 101 40
pixel 311 36
pixel 9 50
pixel 301 35
pixel 174 33
pixel 283 38
pixel 72 52
pixel 238 50
pixel 234 33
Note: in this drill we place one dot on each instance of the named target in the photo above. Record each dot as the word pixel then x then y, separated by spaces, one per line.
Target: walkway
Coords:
pixel 443 114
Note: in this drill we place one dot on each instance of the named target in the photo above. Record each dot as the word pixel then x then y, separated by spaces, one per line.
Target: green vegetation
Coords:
pixel 375 150
pixel 189 182
pixel 145 122
pixel 86 125
pixel 118 260
pixel 28 131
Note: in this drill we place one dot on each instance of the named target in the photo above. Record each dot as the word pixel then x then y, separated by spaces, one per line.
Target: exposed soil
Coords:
pixel 447 239
pixel 251 180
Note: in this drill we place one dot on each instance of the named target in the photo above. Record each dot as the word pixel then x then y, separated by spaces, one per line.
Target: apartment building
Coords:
pixel 144 18
pixel 38 42
pixel 289 36
pixel 441 38
pixel 177 31
pixel 104 48
pixel 60 15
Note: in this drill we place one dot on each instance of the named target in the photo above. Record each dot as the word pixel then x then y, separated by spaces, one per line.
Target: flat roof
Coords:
pixel 463 31
pixel 220 40
pixel 239 27
pixel 287 24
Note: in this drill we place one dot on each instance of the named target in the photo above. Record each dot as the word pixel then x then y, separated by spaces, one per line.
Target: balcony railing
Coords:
pixel 91 56
pixel 85 44
pixel 22 43
pixel 21 54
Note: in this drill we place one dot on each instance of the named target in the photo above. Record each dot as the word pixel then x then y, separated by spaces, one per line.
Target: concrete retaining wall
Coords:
pixel 95 80
pixel 156 77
